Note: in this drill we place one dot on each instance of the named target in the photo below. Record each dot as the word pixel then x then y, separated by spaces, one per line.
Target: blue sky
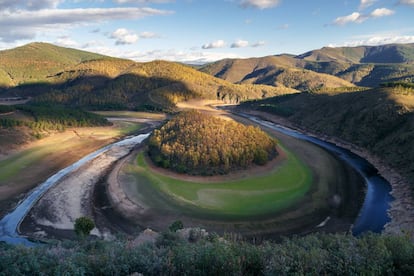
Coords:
pixel 200 31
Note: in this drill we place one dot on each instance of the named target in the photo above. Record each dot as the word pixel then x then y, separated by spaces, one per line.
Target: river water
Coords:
pixel 10 222
pixel 374 212
pixel 372 217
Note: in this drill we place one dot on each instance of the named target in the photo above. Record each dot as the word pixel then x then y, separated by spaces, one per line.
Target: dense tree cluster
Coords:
pixel 46 118
pixel 201 144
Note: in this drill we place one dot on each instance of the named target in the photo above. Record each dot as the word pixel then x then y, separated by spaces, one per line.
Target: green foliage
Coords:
pixel 36 62
pixel 83 226
pixel 398 84
pixel 197 143
pixel 311 255
pixel 6 109
pixel 176 225
pixel 46 118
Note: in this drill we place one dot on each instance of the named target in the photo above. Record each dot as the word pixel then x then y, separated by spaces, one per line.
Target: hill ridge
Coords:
pixel 362 65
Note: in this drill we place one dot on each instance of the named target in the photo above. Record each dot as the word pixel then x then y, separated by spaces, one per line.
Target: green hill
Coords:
pixel 380 120
pixel 391 53
pixel 35 62
pixel 197 143
pixel 57 75
pixel 273 70
pixel 157 85
pixel 363 66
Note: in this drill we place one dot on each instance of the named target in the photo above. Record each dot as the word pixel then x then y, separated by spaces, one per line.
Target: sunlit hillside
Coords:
pixel 363 66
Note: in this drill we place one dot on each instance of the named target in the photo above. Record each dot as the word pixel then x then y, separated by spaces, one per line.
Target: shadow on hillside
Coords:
pixel 127 91
pixel 132 92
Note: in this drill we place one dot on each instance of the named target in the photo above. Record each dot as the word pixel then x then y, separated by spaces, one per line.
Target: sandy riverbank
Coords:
pixel 71 197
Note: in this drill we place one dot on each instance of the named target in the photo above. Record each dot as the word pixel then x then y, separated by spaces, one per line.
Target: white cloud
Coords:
pixel 193 57
pixel 214 44
pixel 357 17
pixel 28 4
pixel 259 4
pixel 66 41
pixel 374 40
pixel 258 44
pixel 353 17
pixel 365 4
pixel 148 35
pixel 24 24
pixel 382 12
pixel 407 2
pixel 143 1
pixel 239 44
pixel 124 36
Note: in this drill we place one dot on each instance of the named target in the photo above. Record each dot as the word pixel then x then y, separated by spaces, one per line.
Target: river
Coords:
pixel 10 223
pixel 374 212
pixel 372 217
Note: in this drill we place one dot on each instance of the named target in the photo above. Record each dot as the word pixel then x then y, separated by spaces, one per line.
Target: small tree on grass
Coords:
pixel 83 226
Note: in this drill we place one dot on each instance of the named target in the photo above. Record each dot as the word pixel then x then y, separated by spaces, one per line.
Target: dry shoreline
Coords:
pixel 401 210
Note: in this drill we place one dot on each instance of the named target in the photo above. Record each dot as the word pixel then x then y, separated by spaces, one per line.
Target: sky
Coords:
pixel 200 31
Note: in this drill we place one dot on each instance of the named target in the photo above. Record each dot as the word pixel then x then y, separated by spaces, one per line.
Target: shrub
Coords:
pixel 83 226
pixel 176 225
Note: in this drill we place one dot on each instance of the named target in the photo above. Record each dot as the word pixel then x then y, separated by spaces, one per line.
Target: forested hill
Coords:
pixel 391 53
pixel 380 120
pixel 274 70
pixel 363 66
pixel 56 75
pixel 200 144
pixel 36 62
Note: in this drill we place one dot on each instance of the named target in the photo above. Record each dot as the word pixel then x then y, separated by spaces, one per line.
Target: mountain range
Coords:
pixel 367 66
pixel 43 71
pixel 53 74
pixel 363 95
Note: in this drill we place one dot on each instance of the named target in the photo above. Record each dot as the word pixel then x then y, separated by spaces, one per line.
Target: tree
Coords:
pixel 83 226
pixel 176 225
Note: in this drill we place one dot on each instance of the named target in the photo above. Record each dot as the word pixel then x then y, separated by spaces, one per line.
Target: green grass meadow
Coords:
pixel 243 198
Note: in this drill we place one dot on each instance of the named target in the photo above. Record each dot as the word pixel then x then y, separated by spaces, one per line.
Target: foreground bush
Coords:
pixel 313 255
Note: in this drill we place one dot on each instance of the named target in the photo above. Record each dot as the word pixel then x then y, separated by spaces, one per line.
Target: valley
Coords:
pixel 327 145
